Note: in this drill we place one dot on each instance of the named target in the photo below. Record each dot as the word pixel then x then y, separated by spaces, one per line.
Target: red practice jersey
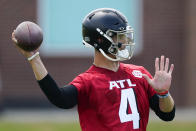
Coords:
pixel 113 101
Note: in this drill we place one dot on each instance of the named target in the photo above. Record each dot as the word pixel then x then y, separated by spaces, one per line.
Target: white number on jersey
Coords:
pixel 128 95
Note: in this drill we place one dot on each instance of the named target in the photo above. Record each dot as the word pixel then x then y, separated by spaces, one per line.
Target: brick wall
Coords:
pixel 163 33
pixel 189 52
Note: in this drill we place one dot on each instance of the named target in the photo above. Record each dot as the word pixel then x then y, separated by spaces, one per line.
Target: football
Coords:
pixel 29 36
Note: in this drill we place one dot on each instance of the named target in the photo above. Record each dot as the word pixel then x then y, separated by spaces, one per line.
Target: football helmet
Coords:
pixel 108 31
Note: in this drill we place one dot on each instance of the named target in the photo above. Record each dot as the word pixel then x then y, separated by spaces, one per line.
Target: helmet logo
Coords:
pixel 121 28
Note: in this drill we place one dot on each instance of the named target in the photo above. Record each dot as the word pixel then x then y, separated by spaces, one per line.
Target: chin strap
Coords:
pixel 109 58
pixel 118 58
pixel 106 56
pixel 86 44
pixel 123 53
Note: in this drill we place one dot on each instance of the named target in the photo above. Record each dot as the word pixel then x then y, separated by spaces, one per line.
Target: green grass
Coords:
pixel 5 126
pixel 153 126
pixel 172 126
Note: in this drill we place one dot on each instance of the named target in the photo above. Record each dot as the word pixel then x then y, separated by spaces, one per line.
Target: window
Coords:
pixel 61 22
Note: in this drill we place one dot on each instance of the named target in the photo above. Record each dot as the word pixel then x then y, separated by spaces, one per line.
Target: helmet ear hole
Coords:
pixel 113 50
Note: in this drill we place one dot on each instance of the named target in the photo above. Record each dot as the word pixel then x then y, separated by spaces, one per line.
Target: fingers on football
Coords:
pixel 13 37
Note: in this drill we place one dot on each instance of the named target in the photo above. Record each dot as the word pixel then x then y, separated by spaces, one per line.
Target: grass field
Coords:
pixel 153 126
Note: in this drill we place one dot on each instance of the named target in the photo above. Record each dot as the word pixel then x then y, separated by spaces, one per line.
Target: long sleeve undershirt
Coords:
pixel 66 97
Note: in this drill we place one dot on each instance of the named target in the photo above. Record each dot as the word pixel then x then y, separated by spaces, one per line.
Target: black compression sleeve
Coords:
pixel 65 97
pixel 166 116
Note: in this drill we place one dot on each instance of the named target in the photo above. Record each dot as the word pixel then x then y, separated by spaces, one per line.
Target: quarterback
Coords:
pixel 110 95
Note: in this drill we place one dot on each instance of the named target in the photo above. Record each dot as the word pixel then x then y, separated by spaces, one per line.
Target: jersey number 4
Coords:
pixel 128 95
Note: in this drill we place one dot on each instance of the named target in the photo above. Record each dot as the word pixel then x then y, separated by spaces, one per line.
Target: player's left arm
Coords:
pixel 161 83
pixel 154 104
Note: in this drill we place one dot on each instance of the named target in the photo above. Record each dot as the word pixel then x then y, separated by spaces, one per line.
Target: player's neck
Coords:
pixel 101 61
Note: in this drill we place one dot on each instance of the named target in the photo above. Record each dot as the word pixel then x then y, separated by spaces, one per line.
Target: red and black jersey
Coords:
pixel 108 100
pixel 113 101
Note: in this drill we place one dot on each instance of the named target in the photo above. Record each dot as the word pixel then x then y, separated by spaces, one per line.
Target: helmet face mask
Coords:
pixel 107 30
pixel 122 43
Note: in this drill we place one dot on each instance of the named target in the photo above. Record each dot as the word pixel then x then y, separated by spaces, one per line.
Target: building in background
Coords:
pixel 61 22
pixel 167 27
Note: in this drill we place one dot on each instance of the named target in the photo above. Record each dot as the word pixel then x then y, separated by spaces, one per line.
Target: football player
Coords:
pixel 111 95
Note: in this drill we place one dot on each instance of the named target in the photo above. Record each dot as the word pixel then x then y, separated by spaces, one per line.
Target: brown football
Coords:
pixel 29 36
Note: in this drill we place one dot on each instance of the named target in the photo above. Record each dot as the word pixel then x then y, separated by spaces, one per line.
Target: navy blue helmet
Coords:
pixel 105 29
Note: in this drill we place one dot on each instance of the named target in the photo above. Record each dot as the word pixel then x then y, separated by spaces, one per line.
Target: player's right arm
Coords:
pixel 65 97
pixel 37 65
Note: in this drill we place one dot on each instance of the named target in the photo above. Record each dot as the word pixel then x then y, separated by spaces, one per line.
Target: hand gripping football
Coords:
pixel 29 36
